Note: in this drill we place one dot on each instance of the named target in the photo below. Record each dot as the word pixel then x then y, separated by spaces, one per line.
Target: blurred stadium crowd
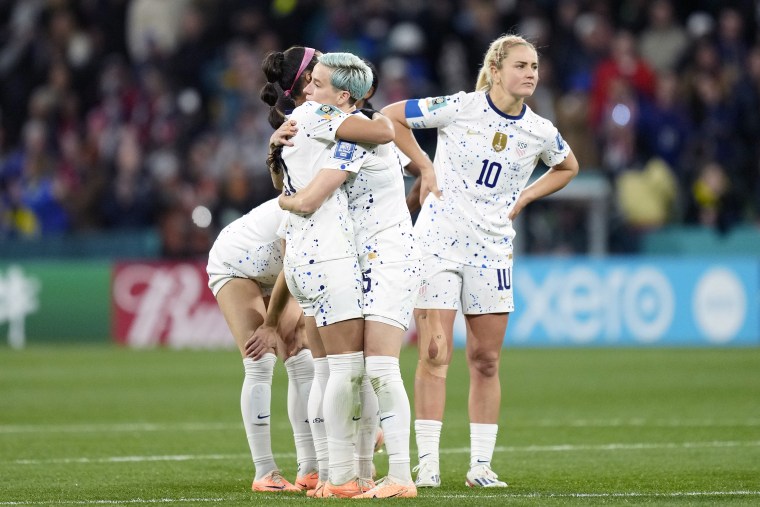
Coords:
pixel 123 114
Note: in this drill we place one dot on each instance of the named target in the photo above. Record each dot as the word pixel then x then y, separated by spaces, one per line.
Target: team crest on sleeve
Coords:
pixel 327 111
pixel 344 150
pixel 436 103
pixel 499 141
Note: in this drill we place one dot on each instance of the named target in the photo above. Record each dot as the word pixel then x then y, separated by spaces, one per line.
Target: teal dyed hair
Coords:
pixel 349 73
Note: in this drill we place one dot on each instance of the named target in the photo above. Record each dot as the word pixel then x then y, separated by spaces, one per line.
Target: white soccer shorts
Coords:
pixel 235 256
pixel 331 291
pixel 390 290
pixel 391 275
pixel 448 285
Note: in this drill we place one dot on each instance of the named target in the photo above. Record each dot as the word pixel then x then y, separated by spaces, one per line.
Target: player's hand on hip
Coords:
pixel 517 208
pixel 429 185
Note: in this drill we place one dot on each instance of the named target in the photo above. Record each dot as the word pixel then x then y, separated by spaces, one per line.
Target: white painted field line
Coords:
pixel 137 459
pixel 216 426
pixel 450 450
pixel 623 494
pixel 505 494
pixel 119 427
pixel 636 422
pixel 613 447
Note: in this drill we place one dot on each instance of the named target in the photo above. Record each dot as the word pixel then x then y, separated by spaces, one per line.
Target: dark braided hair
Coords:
pixel 367 109
pixel 373 87
pixel 280 69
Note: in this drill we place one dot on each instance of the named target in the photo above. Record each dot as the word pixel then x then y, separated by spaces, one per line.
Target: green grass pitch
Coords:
pixel 100 425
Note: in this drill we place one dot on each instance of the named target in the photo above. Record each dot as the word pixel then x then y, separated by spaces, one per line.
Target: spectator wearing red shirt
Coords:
pixel 623 63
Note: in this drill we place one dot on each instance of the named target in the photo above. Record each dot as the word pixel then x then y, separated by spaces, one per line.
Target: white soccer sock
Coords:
pixel 342 408
pixel 255 403
pixel 316 415
pixel 482 443
pixel 395 414
pixel 428 435
pixel 300 370
pixel 366 431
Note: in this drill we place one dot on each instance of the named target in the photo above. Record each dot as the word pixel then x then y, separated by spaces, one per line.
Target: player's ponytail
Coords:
pixel 286 74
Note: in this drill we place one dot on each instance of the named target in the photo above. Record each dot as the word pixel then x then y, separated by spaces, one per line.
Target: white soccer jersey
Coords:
pixel 327 233
pixel 483 161
pixel 404 161
pixel 375 190
pixel 389 259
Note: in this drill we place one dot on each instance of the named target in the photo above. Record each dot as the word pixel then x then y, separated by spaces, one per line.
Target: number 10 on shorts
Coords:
pixel 505 278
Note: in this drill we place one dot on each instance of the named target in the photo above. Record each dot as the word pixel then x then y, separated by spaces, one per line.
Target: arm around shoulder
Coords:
pixel 357 128
pixel 309 199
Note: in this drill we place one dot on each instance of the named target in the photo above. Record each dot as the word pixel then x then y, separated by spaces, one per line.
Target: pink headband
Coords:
pixel 308 53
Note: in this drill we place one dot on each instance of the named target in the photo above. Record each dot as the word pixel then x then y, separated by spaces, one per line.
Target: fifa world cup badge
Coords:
pixel 499 141
pixel 328 112
pixel 435 103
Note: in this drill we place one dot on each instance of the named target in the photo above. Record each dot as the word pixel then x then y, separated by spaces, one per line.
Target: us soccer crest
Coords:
pixel 499 141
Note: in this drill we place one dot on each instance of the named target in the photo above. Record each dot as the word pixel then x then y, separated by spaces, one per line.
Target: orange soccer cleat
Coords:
pixel 307 482
pixel 273 482
pixel 389 488
pixel 350 489
pixel 318 491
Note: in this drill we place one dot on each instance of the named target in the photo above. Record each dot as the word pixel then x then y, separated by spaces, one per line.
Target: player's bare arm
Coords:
pixel 408 144
pixel 359 129
pixel 309 199
pixel 556 178
pixel 266 335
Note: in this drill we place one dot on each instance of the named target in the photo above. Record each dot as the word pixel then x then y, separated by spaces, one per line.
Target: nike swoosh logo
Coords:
pixel 482 461
pixel 386 417
pixel 428 454
pixel 263 416
pixel 398 493
pixel 355 418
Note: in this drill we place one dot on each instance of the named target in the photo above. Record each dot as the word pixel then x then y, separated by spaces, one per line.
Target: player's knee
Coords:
pixel 433 366
pixel 485 365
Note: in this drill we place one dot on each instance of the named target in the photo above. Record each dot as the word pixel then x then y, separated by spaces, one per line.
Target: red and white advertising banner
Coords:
pixel 166 303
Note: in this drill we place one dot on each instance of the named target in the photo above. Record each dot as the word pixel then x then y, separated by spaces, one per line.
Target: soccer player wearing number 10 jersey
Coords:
pixel 489 143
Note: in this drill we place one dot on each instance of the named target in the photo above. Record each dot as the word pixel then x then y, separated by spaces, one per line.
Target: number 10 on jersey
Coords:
pixel 489 174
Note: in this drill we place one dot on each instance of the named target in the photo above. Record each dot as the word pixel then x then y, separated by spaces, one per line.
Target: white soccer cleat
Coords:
pixel 482 476
pixel 428 475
